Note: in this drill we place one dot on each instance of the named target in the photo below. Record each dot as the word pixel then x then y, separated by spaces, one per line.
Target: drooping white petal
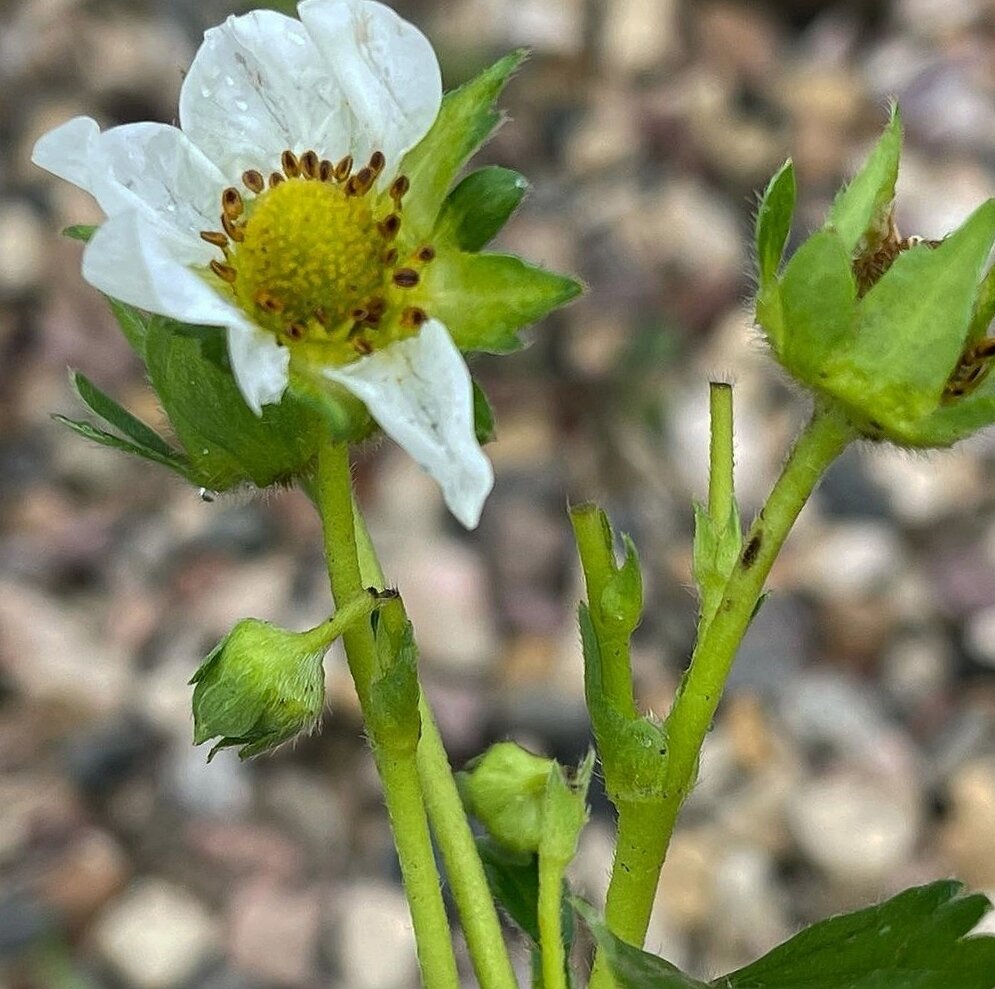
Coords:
pixel 131 262
pixel 419 391
pixel 386 68
pixel 67 150
pixel 149 168
pixel 257 86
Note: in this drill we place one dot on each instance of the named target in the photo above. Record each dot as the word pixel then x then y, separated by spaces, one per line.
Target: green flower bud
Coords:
pixel 263 685
pixel 565 812
pixel 891 329
pixel 505 789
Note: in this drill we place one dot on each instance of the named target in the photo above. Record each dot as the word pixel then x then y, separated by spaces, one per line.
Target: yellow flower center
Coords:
pixel 310 256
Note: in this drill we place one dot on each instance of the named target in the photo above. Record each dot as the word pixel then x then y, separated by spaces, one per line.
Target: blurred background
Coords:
pixel 855 752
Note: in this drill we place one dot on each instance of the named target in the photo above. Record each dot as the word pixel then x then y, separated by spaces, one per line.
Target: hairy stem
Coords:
pixel 645 831
pixel 398 769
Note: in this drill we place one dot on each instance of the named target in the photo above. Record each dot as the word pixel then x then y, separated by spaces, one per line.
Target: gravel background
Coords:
pixel 855 753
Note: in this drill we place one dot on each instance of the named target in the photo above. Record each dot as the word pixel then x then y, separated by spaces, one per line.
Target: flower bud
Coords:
pixel 261 686
pixel 505 789
pixel 892 330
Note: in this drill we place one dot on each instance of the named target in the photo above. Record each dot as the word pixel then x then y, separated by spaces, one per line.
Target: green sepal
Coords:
pixel 466 119
pixel 120 418
pixel 393 719
pixel 479 207
pixel 565 812
pixel 861 212
pixel 818 297
pixel 226 442
pixel 984 309
pixel 345 418
pixel 715 553
pixel 777 206
pixel 485 299
pixel 633 751
pixel 134 323
pixel 483 416
pixel 80 231
pixel 911 330
pixel 505 789
pixel 96 435
pixel 621 604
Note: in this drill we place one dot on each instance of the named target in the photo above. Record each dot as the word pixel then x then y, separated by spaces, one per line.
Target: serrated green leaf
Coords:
pixel 916 940
pixel 861 209
pixel 89 431
pixel 479 207
pixel 485 299
pixel 912 327
pixel 483 416
pixel 226 442
pixel 80 231
pixel 818 305
pixel 466 119
pixel 774 222
pixel 120 418
pixel 631 967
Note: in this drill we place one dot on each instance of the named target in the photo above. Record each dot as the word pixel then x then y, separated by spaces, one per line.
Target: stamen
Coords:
pixel 326 170
pixel 321 316
pixel 399 188
pixel 224 271
pixel 232 229
pixel 377 162
pixel 254 181
pixel 376 306
pixel 389 257
pixel 310 164
pixel 360 183
pixel 268 301
pixel 426 253
pixel 362 346
pixel 390 226
pixel 343 168
pixel 358 314
pixel 406 278
pixel 215 238
pixel 296 331
pixel 275 179
pixel 231 203
pixel 291 166
pixel 413 317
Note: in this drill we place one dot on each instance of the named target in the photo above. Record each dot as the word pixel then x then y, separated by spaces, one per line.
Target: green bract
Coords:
pixel 891 329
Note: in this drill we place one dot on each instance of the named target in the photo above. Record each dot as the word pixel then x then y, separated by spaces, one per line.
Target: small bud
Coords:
pixel 263 685
pixel 565 812
pixel 505 789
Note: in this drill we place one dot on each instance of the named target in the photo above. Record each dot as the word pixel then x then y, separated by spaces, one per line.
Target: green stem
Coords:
pixel 554 959
pixel 720 452
pixel 398 769
pixel 594 545
pixel 645 830
pixel 464 870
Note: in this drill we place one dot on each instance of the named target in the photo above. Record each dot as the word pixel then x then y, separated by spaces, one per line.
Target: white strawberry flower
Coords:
pixel 258 214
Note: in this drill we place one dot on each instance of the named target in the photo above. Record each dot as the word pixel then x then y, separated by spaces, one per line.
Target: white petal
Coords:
pixel 66 151
pixel 132 263
pixel 258 86
pixel 150 168
pixel 386 68
pixel 419 391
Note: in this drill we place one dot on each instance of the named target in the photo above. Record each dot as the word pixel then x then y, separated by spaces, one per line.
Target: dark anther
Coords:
pixel 426 253
pixel 406 278
pixel 254 180
pixel 343 168
pixel 326 170
pixel 310 164
pixel 291 166
pixel 231 203
pixel 390 226
pixel 225 272
pixel 399 187
pixel 214 237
